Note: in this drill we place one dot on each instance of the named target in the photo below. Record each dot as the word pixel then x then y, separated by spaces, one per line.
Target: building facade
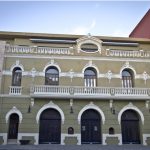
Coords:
pixel 73 89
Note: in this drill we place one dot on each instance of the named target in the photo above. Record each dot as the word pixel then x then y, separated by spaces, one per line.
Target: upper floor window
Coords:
pixel 90 77
pixel 16 76
pixel 127 78
pixel 89 47
pixel 51 76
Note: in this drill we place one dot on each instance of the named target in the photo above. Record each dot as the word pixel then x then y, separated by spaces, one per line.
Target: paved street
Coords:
pixel 73 147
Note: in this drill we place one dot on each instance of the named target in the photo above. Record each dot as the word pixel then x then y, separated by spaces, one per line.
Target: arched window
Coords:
pixel 127 78
pixel 51 76
pixel 16 76
pixel 90 77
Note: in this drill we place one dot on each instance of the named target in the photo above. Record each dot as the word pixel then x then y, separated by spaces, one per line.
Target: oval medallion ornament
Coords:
pixel 89 47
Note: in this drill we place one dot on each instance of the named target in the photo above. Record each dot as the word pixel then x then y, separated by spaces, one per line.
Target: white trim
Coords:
pixel 88 39
pixel 145 136
pixel 4 135
pixel 63 136
pixel 50 105
pixel 79 58
pixel 9 73
pixel 35 135
pixel 127 66
pixel 109 75
pixel 51 64
pixel 91 65
pixel 16 96
pixel 17 64
pixel 132 107
pixel 14 110
pixel 91 106
pixel 119 136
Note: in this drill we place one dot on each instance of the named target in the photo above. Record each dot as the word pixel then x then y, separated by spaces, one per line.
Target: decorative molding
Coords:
pixel 111 103
pixel 147 104
pixel 14 110
pixel 33 72
pixel 91 105
pixel 17 64
pixel 71 74
pixel 127 66
pixel 90 64
pixel 78 58
pixel 109 75
pixel 47 106
pixel 132 107
pixel 35 50
pixel 52 63
pixel 88 39
pixel 145 76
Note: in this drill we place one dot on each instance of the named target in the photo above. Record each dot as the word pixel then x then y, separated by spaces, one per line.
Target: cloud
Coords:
pixel 93 24
pixel 84 29
pixel 97 5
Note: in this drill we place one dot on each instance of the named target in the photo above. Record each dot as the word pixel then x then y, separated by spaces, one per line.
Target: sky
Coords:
pixel 102 18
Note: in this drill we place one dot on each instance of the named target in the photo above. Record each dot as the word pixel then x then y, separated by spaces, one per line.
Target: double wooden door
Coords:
pixel 130 127
pixel 50 127
pixel 90 127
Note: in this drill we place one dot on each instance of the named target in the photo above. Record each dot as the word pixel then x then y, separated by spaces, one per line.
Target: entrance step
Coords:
pixel 12 141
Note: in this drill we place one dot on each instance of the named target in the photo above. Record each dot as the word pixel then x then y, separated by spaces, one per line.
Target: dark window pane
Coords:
pixel 52 76
pixel 127 78
pixel 90 77
pixel 16 77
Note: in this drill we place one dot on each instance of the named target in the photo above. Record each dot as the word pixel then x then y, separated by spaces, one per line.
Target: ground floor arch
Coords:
pixel 130 127
pixel 91 127
pixel 13 126
pixel 50 127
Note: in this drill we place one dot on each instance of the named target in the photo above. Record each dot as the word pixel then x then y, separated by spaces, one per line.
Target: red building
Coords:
pixel 142 29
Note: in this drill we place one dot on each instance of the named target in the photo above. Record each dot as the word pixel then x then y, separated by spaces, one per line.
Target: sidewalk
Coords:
pixel 73 147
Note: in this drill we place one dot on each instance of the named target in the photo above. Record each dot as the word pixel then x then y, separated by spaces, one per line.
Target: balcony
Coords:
pixel 15 90
pixel 89 92
pixel 128 53
pixel 38 50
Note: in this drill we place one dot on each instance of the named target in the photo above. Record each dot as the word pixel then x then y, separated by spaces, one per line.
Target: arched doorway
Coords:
pixel 90 127
pixel 130 127
pixel 13 126
pixel 50 127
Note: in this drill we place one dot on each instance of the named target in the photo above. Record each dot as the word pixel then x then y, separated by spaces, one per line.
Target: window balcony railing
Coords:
pixel 15 90
pixel 89 92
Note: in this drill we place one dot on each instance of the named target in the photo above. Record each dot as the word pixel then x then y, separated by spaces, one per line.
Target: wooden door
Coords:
pixel 90 127
pixel 13 126
pixel 130 127
pixel 50 127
